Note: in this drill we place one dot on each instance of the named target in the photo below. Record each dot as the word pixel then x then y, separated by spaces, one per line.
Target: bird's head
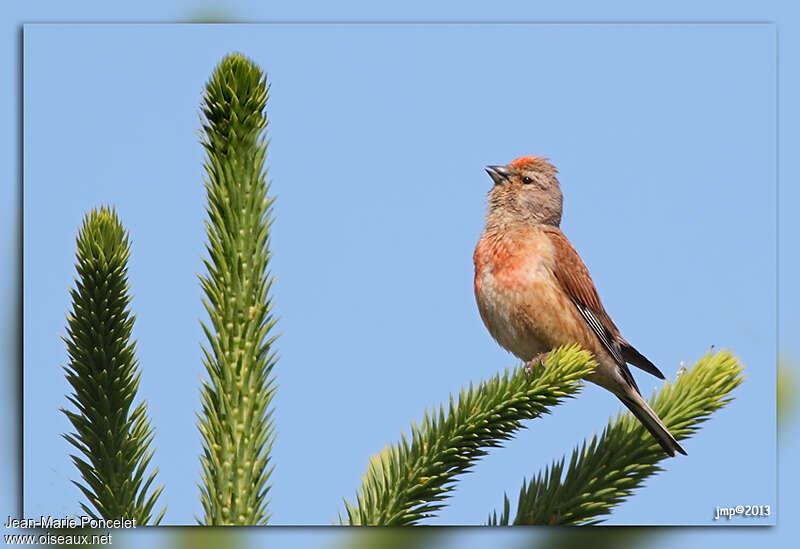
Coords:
pixel 525 191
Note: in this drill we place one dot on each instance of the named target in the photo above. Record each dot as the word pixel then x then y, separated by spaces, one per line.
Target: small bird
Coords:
pixel 534 292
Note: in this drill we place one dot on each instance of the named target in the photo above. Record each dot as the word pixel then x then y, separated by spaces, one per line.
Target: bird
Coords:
pixel 534 292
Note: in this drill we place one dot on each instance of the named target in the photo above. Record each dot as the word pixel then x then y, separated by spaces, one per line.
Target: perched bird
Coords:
pixel 534 292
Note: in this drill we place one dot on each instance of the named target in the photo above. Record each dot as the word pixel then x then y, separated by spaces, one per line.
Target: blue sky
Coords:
pixel 379 138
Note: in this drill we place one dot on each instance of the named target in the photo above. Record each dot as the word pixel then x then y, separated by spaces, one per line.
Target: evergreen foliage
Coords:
pixel 607 469
pixel 406 482
pixel 103 371
pixel 236 420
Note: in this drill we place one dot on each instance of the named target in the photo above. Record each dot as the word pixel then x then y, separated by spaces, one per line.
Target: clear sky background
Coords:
pixel 665 140
pixel 379 139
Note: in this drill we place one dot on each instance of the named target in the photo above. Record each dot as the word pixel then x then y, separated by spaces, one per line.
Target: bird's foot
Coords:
pixel 538 360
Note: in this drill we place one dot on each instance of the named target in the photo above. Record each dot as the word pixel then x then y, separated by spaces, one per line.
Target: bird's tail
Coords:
pixel 637 405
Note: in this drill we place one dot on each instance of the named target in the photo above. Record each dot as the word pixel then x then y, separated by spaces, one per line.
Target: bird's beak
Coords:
pixel 499 174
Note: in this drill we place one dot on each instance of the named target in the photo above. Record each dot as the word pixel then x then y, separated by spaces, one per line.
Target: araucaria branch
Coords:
pixel 104 374
pixel 236 423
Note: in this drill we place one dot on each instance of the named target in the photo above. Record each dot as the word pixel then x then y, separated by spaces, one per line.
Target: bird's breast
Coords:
pixel 510 279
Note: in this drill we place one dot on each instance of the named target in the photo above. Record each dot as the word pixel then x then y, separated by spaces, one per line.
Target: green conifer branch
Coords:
pixel 608 469
pixel 405 482
pixel 236 423
pixel 104 374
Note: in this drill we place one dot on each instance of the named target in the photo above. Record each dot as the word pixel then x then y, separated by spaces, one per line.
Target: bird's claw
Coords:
pixel 538 360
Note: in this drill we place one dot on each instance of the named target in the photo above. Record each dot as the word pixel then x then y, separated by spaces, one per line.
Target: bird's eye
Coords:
pixel 527 180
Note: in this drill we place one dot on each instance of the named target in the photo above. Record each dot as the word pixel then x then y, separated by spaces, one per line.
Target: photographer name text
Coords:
pixel 69 522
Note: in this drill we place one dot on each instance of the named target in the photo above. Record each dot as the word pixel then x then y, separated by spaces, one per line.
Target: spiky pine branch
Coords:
pixel 608 469
pixel 104 375
pixel 406 481
pixel 236 423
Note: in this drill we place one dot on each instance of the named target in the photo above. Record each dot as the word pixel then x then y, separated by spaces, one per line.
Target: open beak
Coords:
pixel 499 174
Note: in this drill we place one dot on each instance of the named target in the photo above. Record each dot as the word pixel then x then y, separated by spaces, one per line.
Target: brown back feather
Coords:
pixel 574 278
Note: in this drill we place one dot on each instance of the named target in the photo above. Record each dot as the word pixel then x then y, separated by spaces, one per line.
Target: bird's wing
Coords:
pixel 573 276
pixel 632 356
